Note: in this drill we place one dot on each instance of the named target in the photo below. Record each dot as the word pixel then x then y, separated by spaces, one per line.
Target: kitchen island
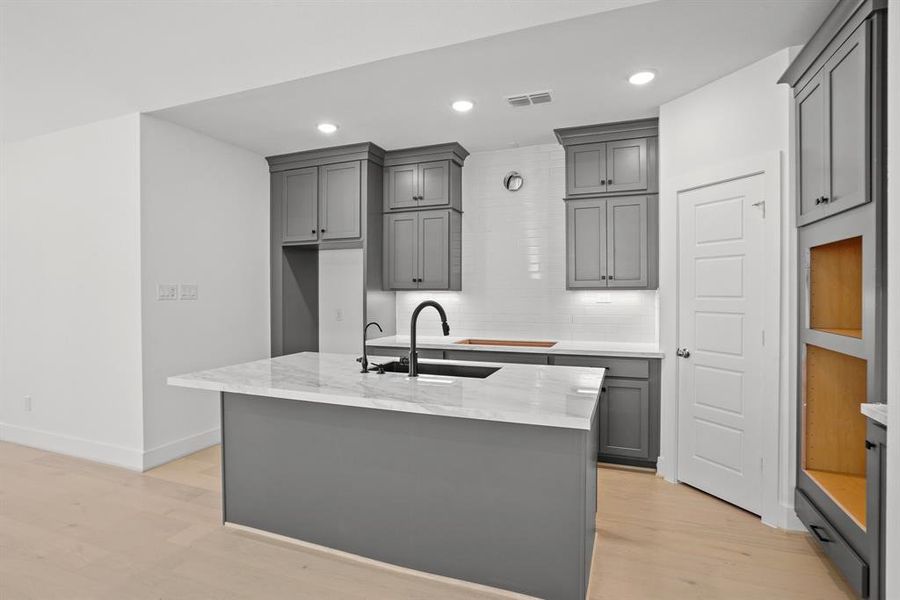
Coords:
pixel 490 480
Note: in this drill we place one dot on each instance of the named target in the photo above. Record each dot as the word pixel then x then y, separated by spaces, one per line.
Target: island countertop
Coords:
pixel 550 396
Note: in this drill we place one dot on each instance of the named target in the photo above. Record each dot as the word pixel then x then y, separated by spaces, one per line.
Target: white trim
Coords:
pixel 475 587
pixel 110 454
pixel 179 448
pixel 776 462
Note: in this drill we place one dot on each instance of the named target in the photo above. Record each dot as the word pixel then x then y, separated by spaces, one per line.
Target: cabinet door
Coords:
pixel 586 243
pixel 339 200
pixel 300 205
pixel 625 418
pixel 401 245
pixel 626 165
pixel 848 142
pixel 812 148
pixel 434 183
pixel 434 250
pixel 586 169
pixel 626 241
pixel 401 186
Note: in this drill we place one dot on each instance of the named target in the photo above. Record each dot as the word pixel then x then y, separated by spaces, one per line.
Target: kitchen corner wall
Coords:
pixel 514 265
pixel 204 221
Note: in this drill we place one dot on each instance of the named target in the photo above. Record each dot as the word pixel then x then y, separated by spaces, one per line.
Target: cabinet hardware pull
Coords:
pixel 603 389
pixel 869 445
pixel 313 230
pixel 609 182
pixel 322 230
pixel 824 199
pixel 603 277
pixel 818 532
pixel 612 276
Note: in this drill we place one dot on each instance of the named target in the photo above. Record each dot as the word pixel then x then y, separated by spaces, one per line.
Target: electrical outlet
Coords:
pixel 26 403
pixel 167 291
pixel 189 291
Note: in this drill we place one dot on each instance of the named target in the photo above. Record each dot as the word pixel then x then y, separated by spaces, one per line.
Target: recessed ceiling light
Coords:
pixel 463 105
pixel 641 78
pixel 327 127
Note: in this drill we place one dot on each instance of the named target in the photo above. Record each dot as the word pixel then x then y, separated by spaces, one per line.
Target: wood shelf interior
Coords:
pixel 835 430
pixel 835 287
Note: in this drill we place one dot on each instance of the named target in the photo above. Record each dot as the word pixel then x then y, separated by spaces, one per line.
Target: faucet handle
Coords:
pixel 404 361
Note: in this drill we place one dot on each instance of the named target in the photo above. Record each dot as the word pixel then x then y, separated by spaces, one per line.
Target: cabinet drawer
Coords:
pixel 854 568
pixel 635 368
pixel 525 358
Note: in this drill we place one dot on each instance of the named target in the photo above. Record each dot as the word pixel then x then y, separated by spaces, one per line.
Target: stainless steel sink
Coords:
pixel 446 369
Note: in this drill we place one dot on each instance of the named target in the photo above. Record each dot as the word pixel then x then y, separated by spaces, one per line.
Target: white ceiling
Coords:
pixel 404 101
pixel 69 62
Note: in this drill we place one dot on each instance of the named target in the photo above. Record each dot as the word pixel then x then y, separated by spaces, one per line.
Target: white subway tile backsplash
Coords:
pixel 514 264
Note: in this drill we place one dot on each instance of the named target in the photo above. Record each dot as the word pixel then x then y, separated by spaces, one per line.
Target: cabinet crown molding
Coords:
pixel 606 132
pixel 324 156
pixel 452 151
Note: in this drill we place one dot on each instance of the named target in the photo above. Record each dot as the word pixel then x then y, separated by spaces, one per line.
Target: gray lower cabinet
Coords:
pixel 625 418
pixel 876 499
pixel 422 250
pixel 321 203
pixel 833 132
pixel 611 243
pixel 629 400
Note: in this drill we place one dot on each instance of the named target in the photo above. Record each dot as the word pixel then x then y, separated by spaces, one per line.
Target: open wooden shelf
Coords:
pixel 848 492
pixel 834 429
pixel 835 287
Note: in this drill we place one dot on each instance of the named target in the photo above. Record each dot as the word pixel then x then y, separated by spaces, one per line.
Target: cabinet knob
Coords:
pixel 322 230
pixel 612 276
pixel 313 230
pixel 603 277
pixel 609 182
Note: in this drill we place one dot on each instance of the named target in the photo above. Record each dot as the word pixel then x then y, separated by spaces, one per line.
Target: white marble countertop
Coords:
pixel 550 396
pixel 876 412
pixel 620 349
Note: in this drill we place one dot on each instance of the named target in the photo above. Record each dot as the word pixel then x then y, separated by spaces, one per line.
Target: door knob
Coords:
pixel 683 353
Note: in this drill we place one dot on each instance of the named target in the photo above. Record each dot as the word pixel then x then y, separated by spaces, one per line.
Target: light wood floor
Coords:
pixel 73 529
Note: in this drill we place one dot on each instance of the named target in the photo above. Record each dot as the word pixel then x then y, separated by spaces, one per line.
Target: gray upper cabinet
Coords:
pixel 419 250
pixel 339 196
pixel 586 169
pixel 434 250
pixel 608 243
pixel 401 252
pixel 833 133
pixel 625 419
pixel 611 159
pixel 434 183
pixel 300 201
pixel 402 186
pixel 626 165
pixel 586 243
pixel 426 177
pixel 626 241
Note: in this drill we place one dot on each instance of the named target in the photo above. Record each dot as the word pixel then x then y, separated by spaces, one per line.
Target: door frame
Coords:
pixel 779 413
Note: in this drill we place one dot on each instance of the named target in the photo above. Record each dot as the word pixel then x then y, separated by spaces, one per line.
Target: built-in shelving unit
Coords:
pixel 838 81
pixel 835 287
pixel 835 434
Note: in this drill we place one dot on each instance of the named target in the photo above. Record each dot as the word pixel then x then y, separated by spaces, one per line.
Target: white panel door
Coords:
pixel 720 294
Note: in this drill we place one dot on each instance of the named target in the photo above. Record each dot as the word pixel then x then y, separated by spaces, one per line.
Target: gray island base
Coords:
pixel 505 504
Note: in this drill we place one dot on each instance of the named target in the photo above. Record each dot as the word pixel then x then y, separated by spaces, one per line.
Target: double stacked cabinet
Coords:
pixel 839 99
pixel 423 218
pixel 611 205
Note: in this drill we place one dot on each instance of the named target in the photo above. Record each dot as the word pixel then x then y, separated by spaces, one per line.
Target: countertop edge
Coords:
pixel 381 343
pixel 382 404
pixel 876 412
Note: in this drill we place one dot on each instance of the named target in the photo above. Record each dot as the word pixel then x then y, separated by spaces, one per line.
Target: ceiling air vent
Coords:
pixel 542 97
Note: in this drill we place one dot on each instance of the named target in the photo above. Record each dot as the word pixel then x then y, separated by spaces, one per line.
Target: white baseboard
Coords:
pixel 173 450
pixel 110 454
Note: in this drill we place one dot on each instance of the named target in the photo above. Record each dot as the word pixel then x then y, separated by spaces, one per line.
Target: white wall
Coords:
pixel 514 264
pixel 741 116
pixel 70 292
pixel 204 221
pixel 341 300
pixel 893 461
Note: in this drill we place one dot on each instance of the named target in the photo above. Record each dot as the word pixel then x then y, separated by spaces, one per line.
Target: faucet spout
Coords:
pixel 364 359
pixel 413 356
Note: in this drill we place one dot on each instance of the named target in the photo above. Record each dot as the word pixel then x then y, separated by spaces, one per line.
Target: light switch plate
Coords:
pixel 167 291
pixel 189 291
